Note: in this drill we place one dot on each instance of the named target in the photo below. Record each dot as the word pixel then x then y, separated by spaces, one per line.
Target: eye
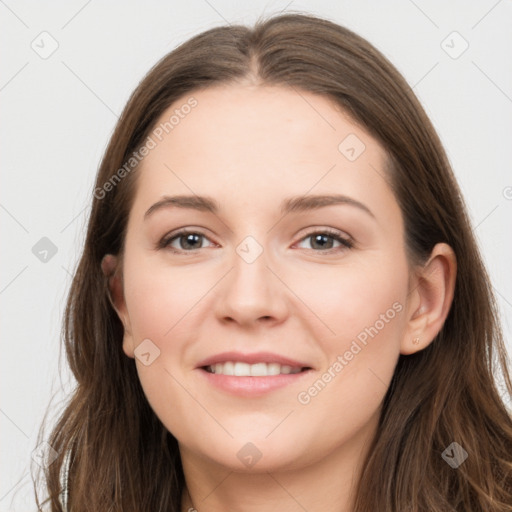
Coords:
pixel 320 240
pixel 187 241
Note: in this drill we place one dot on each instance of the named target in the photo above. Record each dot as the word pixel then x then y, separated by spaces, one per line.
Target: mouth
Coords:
pixel 252 375
pixel 241 369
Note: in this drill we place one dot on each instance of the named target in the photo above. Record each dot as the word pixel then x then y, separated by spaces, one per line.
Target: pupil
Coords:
pixel 189 239
pixel 320 238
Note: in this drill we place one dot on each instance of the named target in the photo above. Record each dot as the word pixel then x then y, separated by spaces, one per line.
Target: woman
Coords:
pixel 280 302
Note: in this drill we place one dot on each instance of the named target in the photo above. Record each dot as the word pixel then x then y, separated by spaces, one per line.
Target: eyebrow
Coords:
pixel 289 205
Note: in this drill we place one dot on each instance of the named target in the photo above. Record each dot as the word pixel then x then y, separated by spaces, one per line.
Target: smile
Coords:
pixel 240 369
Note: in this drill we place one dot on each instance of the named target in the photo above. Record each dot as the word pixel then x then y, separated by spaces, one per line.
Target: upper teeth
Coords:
pixel 251 370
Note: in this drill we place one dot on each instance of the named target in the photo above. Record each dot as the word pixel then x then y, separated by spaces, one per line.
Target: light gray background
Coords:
pixel 58 114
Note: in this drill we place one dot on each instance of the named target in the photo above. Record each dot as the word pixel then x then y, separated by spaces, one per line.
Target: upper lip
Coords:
pixel 256 357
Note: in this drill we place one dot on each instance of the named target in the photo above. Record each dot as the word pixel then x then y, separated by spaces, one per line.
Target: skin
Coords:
pixel 249 147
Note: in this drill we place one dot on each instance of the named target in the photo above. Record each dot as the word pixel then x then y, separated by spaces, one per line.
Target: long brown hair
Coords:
pixel 124 459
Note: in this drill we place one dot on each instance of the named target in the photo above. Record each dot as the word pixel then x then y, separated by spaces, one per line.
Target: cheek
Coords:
pixel 363 308
pixel 158 297
pixel 367 318
pixel 160 303
pixel 351 299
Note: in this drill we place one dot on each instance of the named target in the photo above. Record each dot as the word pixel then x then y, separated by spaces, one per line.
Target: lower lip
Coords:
pixel 252 386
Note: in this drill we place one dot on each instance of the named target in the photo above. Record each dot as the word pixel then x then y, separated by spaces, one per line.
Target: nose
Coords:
pixel 252 292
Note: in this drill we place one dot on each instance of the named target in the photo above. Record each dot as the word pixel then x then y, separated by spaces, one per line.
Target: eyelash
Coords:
pixel 346 243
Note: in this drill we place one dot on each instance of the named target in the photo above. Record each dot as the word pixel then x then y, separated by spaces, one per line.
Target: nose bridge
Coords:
pixel 251 289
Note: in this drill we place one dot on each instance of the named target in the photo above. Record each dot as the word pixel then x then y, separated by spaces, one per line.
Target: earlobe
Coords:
pixel 430 300
pixel 115 291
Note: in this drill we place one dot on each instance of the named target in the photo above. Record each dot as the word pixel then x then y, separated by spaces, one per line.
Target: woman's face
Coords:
pixel 294 262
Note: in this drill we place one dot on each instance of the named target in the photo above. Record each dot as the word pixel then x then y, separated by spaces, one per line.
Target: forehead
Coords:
pixel 260 142
pixel 238 120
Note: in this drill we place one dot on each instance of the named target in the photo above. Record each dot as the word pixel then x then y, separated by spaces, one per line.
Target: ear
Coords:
pixel 111 268
pixel 431 297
